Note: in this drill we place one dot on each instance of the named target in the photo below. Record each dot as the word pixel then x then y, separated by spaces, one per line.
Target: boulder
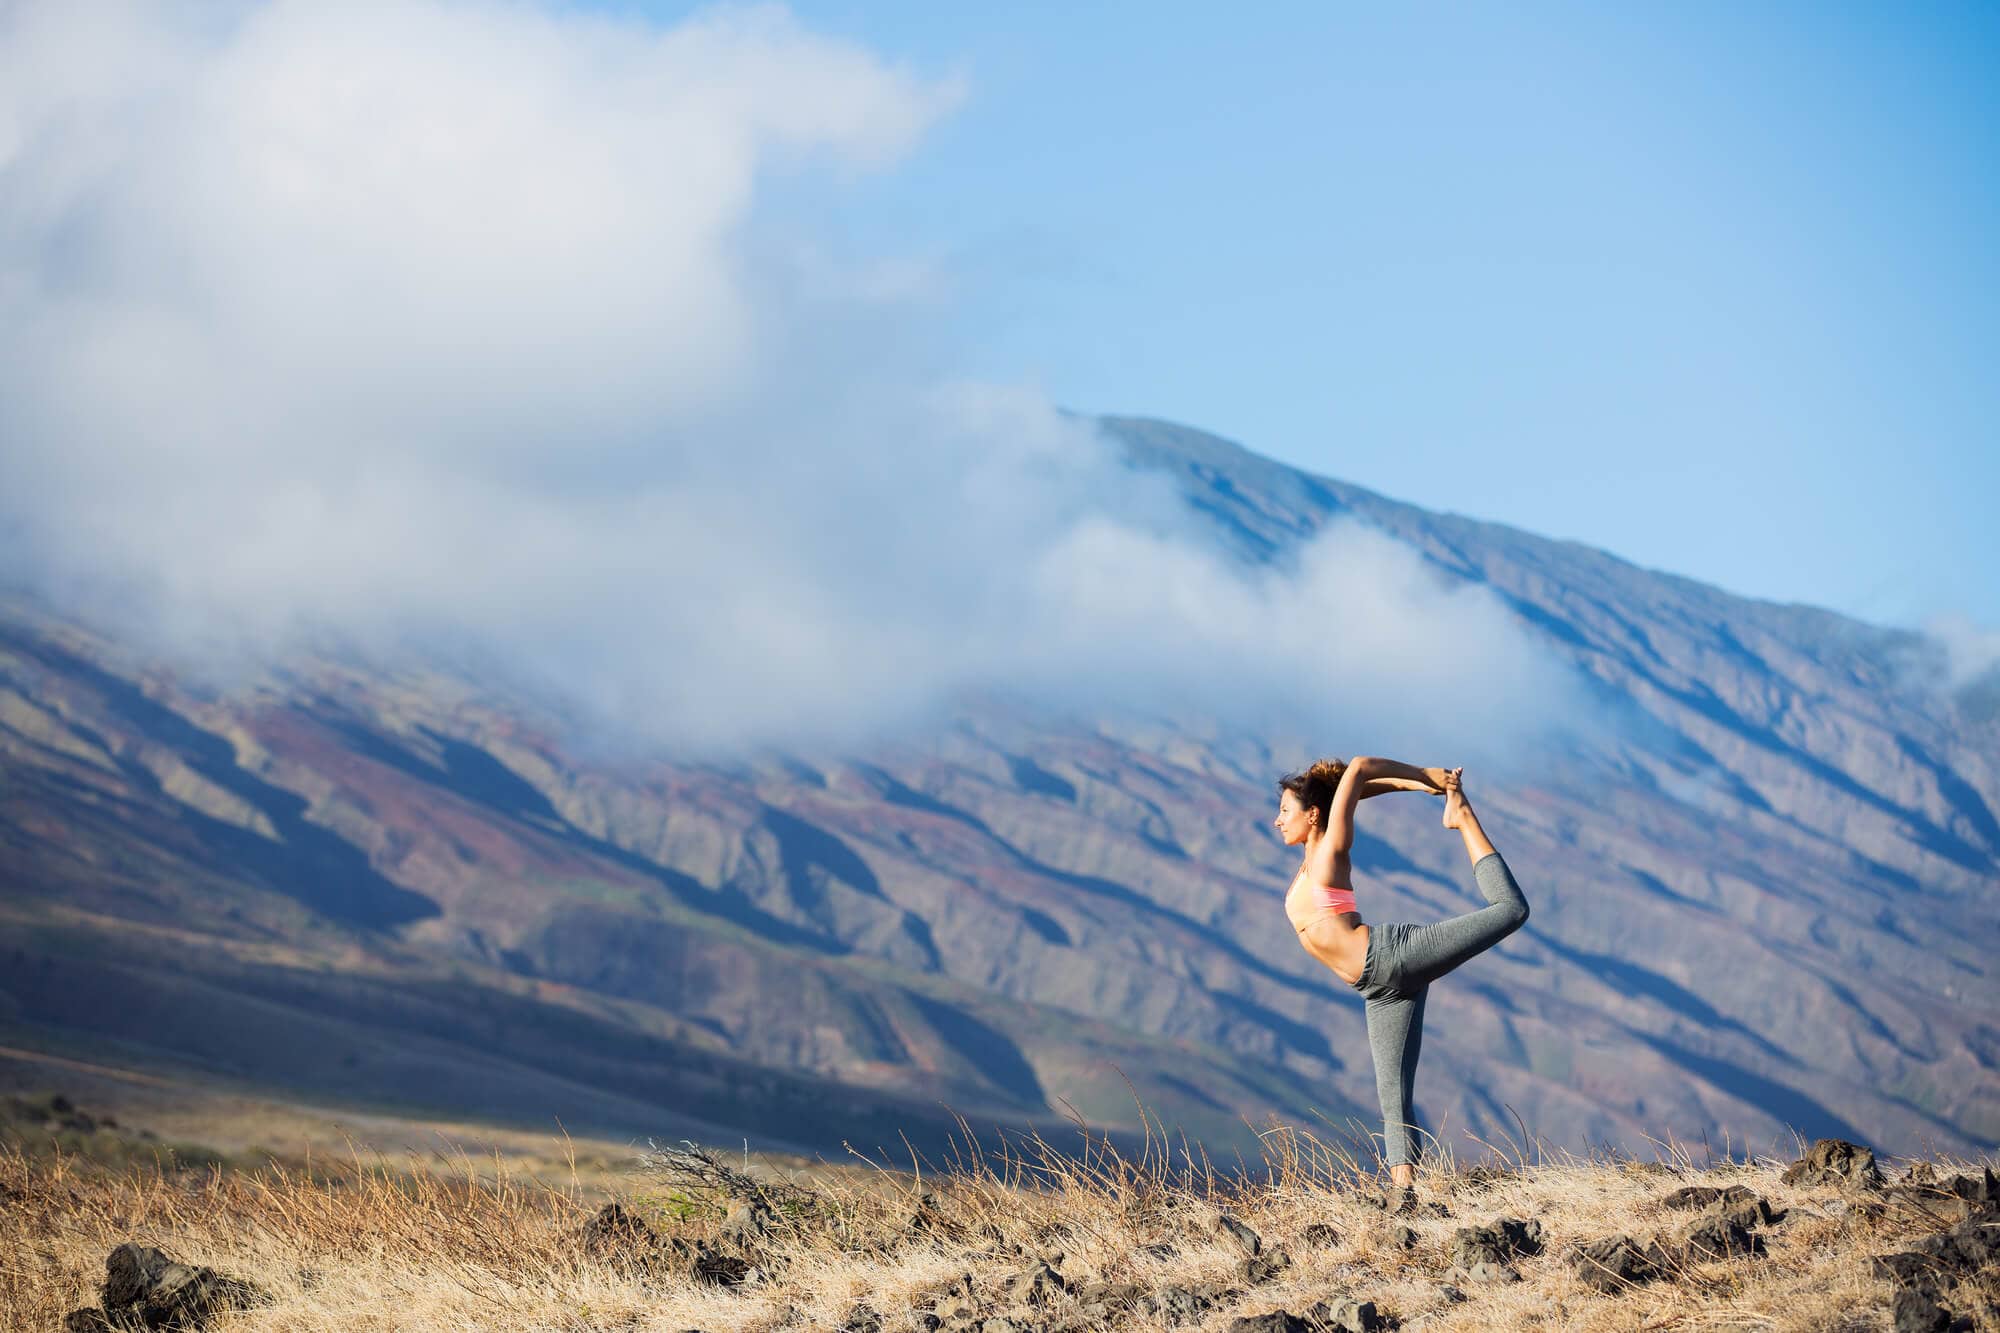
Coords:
pixel 1718 1237
pixel 1319 1235
pixel 1615 1263
pixel 90 1319
pixel 618 1236
pixel 1916 1312
pixel 1180 1305
pixel 145 1287
pixel 1835 1162
pixel 1496 1242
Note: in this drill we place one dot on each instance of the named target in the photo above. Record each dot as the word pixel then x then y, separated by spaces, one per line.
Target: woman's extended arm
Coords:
pixel 1431 786
pixel 1380 776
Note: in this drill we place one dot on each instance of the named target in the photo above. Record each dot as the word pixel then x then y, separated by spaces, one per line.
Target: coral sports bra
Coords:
pixel 1307 903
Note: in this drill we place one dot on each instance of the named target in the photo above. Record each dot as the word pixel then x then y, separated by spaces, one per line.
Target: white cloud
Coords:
pixel 1970 650
pixel 428 324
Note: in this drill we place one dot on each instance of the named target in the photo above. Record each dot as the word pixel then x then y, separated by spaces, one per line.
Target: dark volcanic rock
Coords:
pixel 1239 1235
pixel 1277 1321
pixel 1320 1234
pixel 146 1288
pixel 1340 1316
pixel 1696 1197
pixel 1404 1238
pixel 1835 1162
pixel 615 1233
pixel 1912 1268
pixel 702 1262
pixel 1102 1300
pixel 1717 1237
pixel 1937 1264
pixel 1345 1316
pixel 90 1319
pixel 748 1224
pixel 1185 1304
pixel 1495 1243
pixel 1616 1262
pixel 862 1319
pixel 1035 1285
pixel 1483 1271
pixel 1916 1312
pixel 1259 1268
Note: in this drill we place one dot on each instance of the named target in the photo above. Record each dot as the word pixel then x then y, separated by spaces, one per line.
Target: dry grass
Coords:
pixel 363 1246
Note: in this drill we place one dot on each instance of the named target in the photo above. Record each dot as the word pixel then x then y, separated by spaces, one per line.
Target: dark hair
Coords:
pixel 1314 786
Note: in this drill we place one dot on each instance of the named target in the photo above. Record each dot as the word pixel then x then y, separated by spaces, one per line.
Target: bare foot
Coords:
pixel 1455 804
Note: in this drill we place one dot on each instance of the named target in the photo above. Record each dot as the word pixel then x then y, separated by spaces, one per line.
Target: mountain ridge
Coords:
pixel 1015 906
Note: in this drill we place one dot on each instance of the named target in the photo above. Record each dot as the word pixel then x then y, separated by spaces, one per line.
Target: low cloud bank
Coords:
pixel 455 328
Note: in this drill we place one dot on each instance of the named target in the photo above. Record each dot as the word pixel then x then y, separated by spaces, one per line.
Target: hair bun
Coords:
pixel 1327 770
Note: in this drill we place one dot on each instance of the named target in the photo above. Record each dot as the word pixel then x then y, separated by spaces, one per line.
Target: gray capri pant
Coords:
pixel 1403 960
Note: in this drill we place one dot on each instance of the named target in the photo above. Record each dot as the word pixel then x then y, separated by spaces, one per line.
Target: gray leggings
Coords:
pixel 1403 960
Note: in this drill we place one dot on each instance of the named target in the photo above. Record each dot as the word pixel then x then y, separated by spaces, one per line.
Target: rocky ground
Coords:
pixel 1015 1239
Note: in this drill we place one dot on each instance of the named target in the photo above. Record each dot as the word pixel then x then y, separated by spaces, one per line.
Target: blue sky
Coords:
pixel 1710 286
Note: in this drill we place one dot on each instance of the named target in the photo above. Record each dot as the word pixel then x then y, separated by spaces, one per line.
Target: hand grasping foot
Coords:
pixel 1456 808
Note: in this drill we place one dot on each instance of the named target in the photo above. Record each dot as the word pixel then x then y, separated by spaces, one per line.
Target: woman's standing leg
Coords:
pixel 1395 1038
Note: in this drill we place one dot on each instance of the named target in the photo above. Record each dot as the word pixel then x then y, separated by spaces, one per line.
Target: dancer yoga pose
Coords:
pixel 1392 964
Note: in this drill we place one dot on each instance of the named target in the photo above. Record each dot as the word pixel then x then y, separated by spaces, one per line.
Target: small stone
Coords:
pixel 862 1319
pixel 748 1223
pixel 1260 1268
pixel 1320 1235
pixel 1452 1295
pixel 1237 1234
pixel 1037 1285
pixel 1278 1321
pixel 87 1320
pixel 1344 1316
pixel 1693 1197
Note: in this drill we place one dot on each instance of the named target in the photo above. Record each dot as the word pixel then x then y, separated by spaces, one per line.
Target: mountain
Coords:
pixel 1765 899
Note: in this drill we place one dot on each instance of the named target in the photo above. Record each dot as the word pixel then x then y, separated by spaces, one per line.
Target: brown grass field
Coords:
pixel 458 1239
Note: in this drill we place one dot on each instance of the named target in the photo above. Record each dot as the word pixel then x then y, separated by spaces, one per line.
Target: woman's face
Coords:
pixel 1294 821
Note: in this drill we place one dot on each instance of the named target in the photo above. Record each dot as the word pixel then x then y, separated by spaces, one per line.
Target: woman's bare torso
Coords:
pixel 1337 939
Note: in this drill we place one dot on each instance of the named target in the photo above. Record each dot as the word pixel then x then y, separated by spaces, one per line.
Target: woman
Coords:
pixel 1392 964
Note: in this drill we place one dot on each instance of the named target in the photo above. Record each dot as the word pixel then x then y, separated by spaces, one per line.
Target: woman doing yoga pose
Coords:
pixel 1392 964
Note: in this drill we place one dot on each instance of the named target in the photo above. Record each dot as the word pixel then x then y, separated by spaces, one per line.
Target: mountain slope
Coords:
pixel 1764 897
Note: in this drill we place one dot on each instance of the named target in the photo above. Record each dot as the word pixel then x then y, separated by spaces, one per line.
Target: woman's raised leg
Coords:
pixel 1430 951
